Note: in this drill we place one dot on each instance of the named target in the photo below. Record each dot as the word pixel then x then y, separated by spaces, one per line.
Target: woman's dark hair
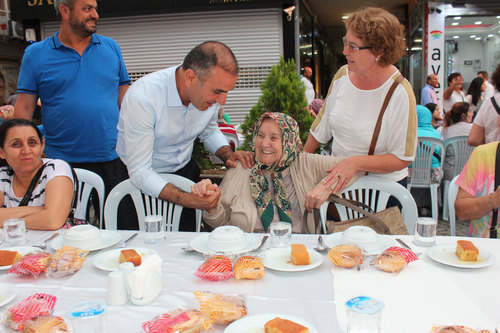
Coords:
pixel 495 77
pixel 4 128
pixel 475 89
pixel 15 123
pixel 456 113
pixel 431 106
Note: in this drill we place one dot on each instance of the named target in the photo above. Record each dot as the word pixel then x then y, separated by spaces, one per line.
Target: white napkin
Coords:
pixel 152 263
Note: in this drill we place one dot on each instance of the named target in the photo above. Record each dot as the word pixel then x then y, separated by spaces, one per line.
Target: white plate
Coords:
pixel 255 323
pixel 7 293
pixel 445 254
pixel 22 250
pixel 108 238
pixel 108 261
pixel 383 240
pixel 279 260
pixel 200 244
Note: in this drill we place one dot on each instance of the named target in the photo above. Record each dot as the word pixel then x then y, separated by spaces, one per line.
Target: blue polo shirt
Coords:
pixel 79 96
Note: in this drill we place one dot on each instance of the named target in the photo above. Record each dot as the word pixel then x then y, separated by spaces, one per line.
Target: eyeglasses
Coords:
pixel 354 47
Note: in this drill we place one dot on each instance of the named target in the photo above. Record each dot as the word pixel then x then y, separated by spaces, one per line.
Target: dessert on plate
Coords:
pixel 279 325
pixel 299 255
pixel 466 251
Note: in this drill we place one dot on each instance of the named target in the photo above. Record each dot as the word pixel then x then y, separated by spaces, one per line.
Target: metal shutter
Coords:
pixel 153 42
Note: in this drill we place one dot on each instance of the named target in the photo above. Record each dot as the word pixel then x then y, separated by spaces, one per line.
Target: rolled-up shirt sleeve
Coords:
pixel 212 137
pixel 137 142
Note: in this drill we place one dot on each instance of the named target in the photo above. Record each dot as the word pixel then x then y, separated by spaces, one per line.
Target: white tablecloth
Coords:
pixel 423 294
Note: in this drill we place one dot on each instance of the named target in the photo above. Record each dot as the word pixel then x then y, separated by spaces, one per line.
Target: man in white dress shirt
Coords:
pixel 453 93
pixel 306 79
pixel 164 112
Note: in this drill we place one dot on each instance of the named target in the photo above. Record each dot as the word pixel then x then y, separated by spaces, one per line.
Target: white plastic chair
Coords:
pixel 149 205
pixel 452 196
pixel 461 152
pixel 231 138
pixel 87 180
pixel 375 191
pixel 421 169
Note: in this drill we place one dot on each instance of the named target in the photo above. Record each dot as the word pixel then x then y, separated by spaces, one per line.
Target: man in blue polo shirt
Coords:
pixel 80 78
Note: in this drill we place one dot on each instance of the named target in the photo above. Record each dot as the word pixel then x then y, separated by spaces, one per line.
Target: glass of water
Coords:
pixel 281 234
pixel 425 231
pixel 15 232
pixel 154 229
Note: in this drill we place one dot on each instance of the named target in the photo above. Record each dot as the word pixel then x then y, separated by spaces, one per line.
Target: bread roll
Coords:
pixel 391 262
pixel 46 324
pixel 344 255
pixel 130 255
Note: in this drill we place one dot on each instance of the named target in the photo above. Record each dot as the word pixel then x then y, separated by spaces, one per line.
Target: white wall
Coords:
pixel 469 50
pixel 492 52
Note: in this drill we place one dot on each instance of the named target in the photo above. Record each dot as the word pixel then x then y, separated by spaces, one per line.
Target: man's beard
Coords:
pixel 79 27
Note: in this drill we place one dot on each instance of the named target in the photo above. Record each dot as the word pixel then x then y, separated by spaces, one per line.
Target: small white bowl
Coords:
pixel 364 237
pixel 227 239
pixel 82 236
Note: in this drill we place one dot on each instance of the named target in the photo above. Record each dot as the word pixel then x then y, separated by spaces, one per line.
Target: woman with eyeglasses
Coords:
pixel 374 41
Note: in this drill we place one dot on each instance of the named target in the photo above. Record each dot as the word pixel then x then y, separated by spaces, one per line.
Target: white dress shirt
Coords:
pixel 156 132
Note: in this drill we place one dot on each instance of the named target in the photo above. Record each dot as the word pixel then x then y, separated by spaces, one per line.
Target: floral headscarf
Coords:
pixel 259 186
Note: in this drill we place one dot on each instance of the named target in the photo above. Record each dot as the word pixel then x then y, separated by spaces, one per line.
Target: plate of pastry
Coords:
pixel 462 254
pixel 11 255
pixel 256 324
pixel 7 293
pixel 111 260
pixel 292 258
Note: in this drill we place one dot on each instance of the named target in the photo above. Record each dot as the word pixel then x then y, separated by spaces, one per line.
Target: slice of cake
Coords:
pixel 9 257
pixel 299 255
pixel 466 251
pixel 279 325
pixel 130 255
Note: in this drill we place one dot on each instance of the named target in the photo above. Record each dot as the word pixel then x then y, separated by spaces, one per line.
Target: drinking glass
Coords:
pixel 281 234
pixel 425 231
pixel 15 232
pixel 153 227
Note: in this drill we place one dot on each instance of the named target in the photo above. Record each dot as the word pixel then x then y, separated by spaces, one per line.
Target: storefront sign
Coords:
pixel 44 9
pixel 435 44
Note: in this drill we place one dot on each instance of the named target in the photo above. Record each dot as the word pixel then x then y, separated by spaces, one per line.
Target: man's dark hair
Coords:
pixel 57 3
pixel 205 56
pixel 484 74
pixel 429 77
pixel 452 76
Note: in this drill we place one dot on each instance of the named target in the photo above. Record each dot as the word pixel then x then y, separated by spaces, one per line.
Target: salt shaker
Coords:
pixel 117 292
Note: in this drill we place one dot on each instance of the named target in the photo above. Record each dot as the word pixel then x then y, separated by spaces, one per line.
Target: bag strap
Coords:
pixel 31 187
pixel 356 206
pixel 495 105
pixel 376 131
pixel 494 218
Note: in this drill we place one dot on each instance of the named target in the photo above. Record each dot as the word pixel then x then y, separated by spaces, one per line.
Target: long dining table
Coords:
pixel 424 294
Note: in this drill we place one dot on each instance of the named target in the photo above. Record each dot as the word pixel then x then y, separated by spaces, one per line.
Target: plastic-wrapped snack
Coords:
pixel 394 259
pixel 34 306
pixel 220 309
pixel 454 329
pixel 67 260
pixel 182 321
pixel 346 255
pixel 248 267
pixel 216 268
pixel 33 263
pixel 46 324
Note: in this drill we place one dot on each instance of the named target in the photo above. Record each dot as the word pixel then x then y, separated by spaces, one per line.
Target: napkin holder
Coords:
pixel 152 289
pixel 145 282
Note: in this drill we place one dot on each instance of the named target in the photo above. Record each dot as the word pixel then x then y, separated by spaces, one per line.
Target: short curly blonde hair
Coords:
pixel 380 30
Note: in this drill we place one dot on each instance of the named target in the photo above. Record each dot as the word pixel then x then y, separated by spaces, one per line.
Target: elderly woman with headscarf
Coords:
pixel 283 183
